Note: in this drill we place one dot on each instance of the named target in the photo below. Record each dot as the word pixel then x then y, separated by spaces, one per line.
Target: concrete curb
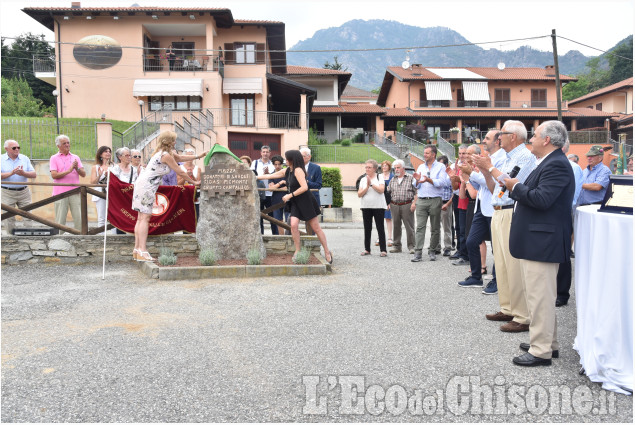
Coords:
pixel 153 271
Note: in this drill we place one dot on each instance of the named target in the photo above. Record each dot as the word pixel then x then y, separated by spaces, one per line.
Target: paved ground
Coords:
pixel 76 348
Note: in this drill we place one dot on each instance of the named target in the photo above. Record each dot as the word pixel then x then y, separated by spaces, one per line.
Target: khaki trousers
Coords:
pixel 15 198
pixel 61 210
pixel 402 213
pixel 511 294
pixel 539 281
pixel 428 208
pixel 446 221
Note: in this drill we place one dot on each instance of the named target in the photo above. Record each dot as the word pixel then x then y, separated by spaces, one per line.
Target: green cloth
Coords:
pixel 218 149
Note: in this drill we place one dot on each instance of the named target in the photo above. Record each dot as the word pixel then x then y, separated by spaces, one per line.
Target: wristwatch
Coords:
pixel 490 169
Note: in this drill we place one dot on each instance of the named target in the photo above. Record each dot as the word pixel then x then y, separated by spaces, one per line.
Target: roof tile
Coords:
pixel 622 84
pixel 418 72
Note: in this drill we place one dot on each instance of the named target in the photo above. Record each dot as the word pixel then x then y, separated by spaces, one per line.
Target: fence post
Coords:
pixel 31 136
pixel 84 207
pixel 30 145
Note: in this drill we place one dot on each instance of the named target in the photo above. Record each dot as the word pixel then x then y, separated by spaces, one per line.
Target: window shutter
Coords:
pixel 260 53
pixel 422 95
pixel 230 54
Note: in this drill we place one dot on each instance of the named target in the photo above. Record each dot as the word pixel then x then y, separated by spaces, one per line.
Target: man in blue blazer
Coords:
pixel 313 173
pixel 540 237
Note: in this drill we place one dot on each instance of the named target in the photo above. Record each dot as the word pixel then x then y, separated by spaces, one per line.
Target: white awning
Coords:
pixel 438 90
pixel 475 90
pixel 242 85
pixel 168 87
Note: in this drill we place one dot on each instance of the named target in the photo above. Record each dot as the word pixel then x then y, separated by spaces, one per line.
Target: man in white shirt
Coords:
pixel 15 168
pixel 264 166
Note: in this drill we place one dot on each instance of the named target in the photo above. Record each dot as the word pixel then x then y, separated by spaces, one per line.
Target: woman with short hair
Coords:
pixel 373 204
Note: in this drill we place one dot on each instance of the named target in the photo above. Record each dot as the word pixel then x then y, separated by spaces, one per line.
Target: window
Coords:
pixel 598 106
pixel 175 103
pixel 238 145
pixel 245 53
pixel 242 110
pixel 501 98
pixel 538 98
pixel 423 98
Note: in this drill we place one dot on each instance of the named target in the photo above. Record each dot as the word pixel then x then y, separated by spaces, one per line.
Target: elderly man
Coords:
pixel 402 206
pixel 595 178
pixel 429 180
pixel 313 173
pixel 540 237
pixel 66 168
pixel 15 168
pixel 483 211
pixel 511 296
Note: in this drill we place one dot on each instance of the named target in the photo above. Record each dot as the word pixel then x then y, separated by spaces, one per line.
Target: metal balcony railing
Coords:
pixel 43 63
pixel 520 104
pixel 157 63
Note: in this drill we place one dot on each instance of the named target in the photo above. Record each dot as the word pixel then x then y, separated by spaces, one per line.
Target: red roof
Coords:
pixel 613 87
pixel 351 91
pixel 418 72
pixel 495 113
pixel 307 70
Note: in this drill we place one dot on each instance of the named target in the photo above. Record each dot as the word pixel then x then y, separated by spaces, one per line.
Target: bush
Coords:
pixel 346 142
pixel 167 257
pixel 337 141
pixel 253 257
pixel 207 257
pixel 400 126
pixel 302 257
pixel 331 177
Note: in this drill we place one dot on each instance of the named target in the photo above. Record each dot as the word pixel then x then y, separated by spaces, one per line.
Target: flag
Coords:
pixel 173 209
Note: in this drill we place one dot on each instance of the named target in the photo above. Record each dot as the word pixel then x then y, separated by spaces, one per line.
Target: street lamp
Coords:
pixel 141 102
pixel 57 115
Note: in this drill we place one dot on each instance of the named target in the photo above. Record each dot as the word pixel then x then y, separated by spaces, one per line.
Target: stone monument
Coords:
pixel 229 210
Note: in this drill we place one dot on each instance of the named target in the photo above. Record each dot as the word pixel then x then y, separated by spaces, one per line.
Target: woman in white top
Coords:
pixel 193 171
pixel 124 169
pixel 373 205
pixel 99 175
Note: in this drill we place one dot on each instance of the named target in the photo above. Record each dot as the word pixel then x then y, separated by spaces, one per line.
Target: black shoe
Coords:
pixel 525 347
pixel 455 256
pixel 446 252
pixel 433 256
pixel 560 303
pixel 460 262
pixel 529 360
pixel 416 258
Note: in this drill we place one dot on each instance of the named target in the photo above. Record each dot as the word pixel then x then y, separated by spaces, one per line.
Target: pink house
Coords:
pixel 219 79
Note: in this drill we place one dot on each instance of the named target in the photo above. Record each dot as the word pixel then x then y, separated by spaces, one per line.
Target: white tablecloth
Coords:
pixel 604 296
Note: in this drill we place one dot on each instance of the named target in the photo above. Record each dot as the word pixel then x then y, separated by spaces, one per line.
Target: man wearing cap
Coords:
pixel 15 168
pixel 595 178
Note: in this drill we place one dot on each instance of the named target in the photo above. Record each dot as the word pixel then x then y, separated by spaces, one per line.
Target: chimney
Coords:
pixel 76 5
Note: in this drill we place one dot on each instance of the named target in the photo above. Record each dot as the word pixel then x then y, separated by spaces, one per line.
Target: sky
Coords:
pixel 600 24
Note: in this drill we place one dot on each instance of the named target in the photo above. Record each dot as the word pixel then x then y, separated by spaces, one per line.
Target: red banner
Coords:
pixel 173 208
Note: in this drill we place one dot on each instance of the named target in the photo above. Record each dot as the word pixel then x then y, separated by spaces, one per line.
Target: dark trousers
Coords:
pixel 460 244
pixel 281 215
pixel 378 214
pixel 479 230
pixel 266 204
pixel 563 280
pixel 455 228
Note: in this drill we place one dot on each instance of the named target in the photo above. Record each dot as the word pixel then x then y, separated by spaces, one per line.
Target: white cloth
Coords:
pixel 259 166
pixel 372 198
pixel 604 296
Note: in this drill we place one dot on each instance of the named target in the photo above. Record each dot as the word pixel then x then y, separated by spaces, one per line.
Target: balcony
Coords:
pixel 520 104
pixel 226 117
pixel 194 63
pixel 44 68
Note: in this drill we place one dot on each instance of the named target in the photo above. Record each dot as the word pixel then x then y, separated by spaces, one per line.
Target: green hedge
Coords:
pixel 331 177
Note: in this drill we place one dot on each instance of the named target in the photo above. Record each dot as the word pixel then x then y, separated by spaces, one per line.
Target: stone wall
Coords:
pixel 74 249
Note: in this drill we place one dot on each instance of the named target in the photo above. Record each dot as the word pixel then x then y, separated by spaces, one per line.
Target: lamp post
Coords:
pixel 57 115
pixel 143 130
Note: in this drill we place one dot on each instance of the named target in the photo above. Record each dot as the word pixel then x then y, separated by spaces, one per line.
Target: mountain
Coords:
pixel 368 67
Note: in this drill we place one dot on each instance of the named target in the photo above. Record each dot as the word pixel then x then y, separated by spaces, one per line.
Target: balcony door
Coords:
pixel 242 110
pixel 538 98
pixel 501 98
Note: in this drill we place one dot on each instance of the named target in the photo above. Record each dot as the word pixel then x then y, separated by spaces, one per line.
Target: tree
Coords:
pixel 335 65
pixel 621 68
pixel 18 100
pixel 17 62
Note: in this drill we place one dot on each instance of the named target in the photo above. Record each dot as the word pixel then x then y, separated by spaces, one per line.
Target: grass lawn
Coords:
pixel 37 135
pixel 354 154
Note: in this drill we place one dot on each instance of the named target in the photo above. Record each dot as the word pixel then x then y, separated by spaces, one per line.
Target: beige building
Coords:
pixel 216 78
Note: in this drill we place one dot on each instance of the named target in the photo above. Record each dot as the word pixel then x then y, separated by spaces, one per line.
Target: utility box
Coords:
pixel 326 196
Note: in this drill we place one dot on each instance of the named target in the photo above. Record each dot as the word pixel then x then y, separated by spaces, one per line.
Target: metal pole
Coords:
pixel 557 69
pixel 103 273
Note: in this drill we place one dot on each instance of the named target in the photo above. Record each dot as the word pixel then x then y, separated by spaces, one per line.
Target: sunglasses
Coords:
pixel 16 147
pixel 136 156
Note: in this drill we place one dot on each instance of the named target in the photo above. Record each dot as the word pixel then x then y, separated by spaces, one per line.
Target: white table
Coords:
pixel 604 296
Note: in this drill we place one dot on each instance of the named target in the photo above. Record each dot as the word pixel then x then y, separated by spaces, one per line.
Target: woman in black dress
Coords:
pixel 303 204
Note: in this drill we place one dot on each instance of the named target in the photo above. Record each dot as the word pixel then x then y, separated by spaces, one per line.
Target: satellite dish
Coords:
pixel 501 66
pixel 405 64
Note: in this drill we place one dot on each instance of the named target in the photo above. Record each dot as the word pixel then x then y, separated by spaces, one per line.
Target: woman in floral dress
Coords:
pixel 163 160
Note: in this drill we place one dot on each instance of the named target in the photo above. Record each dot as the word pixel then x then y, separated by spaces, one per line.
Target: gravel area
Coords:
pixel 76 348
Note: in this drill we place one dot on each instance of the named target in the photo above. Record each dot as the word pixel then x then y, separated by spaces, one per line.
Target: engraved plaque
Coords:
pixel 227 179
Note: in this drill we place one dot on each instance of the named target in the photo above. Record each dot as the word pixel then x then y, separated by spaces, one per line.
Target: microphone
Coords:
pixel 513 173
